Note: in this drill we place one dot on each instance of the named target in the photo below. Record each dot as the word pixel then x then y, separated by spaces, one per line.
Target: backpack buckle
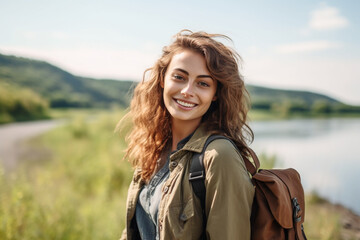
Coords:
pixel 296 210
pixel 196 175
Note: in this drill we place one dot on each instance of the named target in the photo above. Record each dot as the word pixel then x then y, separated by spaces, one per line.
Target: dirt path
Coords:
pixel 13 134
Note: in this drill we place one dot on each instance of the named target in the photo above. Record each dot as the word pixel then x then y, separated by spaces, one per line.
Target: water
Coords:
pixel 326 152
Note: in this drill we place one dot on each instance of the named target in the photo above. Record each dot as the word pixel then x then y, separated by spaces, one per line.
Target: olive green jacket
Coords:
pixel 229 195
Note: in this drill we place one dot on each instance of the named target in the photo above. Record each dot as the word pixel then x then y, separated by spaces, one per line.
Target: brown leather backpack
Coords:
pixel 278 210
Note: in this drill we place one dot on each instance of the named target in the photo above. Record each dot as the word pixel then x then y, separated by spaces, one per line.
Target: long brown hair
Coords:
pixel 227 115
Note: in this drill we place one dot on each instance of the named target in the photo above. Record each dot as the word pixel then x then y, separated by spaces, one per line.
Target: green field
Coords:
pixel 76 189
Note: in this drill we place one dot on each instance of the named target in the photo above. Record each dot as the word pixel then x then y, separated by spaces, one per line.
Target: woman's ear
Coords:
pixel 214 98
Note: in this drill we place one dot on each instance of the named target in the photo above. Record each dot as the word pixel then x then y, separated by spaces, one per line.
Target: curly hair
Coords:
pixel 227 115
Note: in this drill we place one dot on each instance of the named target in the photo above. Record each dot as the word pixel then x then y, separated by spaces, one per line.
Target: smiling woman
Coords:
pixel 193 91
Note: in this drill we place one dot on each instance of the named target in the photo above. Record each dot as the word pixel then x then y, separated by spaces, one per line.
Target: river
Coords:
pixel 326 152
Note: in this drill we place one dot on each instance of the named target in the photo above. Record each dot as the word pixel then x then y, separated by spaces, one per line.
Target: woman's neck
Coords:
pixel 180 130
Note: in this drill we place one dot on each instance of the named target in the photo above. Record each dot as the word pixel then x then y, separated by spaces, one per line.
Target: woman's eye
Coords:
pixel 178 77
pixel 204 84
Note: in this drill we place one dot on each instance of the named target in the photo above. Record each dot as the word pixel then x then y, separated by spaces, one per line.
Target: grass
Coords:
pixel 322 221
pixel 79 190
pixel 77 193
pixel 71 113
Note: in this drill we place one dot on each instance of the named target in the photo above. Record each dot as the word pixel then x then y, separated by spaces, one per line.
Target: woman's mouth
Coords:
pixel 185 104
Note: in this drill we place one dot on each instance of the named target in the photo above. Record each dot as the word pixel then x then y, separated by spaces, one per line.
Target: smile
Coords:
pixel 185 104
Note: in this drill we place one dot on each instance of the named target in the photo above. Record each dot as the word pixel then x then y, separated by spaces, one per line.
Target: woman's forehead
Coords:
pixel 189 61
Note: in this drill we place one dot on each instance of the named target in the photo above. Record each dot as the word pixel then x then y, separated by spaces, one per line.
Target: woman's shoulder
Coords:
pixel 222 151
pixel 223 147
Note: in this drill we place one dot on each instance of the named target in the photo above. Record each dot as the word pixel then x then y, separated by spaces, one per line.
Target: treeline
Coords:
pixel 318 107
pixel 20 104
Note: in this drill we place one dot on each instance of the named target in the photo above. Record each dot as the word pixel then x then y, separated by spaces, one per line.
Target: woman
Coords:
pixel 193 91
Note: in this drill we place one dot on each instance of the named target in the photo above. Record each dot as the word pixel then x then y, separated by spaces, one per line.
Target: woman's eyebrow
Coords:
pixel 182 70
pixel 199 76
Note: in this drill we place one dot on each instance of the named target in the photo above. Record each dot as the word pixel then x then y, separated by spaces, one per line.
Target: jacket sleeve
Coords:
pixel 229 192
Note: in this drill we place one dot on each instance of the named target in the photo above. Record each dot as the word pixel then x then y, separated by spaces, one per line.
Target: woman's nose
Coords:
pixel 187 90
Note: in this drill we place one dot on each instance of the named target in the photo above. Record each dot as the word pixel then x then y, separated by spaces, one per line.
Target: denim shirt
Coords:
pixel 148 205
pixel 149 199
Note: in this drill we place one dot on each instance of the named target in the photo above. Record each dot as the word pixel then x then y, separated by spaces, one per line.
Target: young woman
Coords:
pixel 193 91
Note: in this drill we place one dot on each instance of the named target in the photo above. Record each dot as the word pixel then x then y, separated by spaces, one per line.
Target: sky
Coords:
pixel 303 45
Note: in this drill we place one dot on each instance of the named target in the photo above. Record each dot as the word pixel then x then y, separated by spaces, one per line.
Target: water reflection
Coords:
pixel 326 152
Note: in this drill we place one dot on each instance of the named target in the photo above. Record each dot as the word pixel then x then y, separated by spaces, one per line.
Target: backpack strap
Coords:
pixel 197 177
pixel 197 173
pixel 197 170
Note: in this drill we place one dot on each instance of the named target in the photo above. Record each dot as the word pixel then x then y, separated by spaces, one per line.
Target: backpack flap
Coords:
pixel 277 196
pixel 291 179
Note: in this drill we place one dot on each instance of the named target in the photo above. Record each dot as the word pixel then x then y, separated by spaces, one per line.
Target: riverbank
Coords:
pixel 334 221
pixel 350 222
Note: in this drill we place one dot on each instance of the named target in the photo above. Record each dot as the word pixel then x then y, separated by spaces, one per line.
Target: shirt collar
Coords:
pixel 183 142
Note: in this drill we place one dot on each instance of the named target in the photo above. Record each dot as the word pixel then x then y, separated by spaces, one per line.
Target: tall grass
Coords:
pixel 322 221
pixel 78 192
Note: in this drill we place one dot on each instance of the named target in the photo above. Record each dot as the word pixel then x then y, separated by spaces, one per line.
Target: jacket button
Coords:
pixel 173 164
pixel 160 226
pixel 166 189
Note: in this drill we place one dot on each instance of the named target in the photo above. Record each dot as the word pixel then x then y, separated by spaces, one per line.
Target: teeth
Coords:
pixel 185 104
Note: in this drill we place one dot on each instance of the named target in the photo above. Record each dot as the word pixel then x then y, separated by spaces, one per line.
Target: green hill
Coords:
pixel 263 94
pixel 62 89
pixel 291 101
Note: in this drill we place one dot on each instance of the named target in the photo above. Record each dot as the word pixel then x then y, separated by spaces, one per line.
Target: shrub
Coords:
pixel 20 104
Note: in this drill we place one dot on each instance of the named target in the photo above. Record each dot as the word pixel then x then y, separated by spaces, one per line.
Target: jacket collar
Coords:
pixel 198 139
pixel 195 144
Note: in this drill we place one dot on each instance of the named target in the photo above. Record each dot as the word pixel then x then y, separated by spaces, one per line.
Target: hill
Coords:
pixel 263 94
pixel 63 89
pixel 60 88
pixel 286 102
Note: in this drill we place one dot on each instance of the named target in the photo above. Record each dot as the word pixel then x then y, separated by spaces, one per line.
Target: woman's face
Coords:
pixel 188 87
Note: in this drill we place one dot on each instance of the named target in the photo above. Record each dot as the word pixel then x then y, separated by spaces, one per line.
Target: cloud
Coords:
pixel 327 18
pixel 310 46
